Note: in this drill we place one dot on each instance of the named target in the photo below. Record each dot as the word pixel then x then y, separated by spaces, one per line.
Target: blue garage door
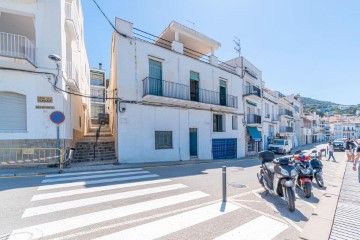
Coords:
pixel 224 148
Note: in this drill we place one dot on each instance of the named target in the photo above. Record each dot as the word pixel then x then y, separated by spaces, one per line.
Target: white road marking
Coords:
pixel 92 176
pixel 260 228
pixel 160 228
pixel 90 182
pixel 93 172
pixel 61 226
pixel 96 200
pixel 94 189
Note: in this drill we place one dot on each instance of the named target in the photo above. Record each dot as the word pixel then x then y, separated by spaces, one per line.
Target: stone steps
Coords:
pixel 104 150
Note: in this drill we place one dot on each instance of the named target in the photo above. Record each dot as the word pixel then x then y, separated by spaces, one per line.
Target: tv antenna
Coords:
pixel 193 24
pixel 237 47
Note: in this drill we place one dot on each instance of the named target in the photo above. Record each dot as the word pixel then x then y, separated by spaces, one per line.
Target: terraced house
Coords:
pixel 42 55
pixel 178 101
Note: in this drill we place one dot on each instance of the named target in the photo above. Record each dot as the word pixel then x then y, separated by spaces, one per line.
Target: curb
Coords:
pixel 324 214
pixel 92 168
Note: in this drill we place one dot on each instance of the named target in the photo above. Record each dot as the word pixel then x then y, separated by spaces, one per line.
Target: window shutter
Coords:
pixel 12 111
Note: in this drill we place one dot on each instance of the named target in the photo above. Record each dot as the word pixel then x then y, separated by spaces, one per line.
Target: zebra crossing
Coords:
pixel 93 199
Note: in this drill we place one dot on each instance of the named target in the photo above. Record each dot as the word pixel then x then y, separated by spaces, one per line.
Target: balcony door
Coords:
pixel 222 92
pixel 155 77
pixel 194 86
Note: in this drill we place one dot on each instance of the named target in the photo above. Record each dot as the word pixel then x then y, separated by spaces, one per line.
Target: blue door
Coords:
pixel 193 142
pixel 224 148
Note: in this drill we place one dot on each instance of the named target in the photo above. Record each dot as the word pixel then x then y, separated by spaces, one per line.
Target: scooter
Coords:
pixel 305 172
pixel 317 165
pixel 277 176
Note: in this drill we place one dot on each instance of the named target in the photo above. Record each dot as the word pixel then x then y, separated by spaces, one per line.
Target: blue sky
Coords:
pixel 307 47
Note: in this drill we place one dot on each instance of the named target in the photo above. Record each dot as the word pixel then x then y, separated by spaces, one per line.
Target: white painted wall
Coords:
pixel 51 38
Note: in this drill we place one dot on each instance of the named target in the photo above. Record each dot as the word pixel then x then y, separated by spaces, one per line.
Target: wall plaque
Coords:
pixel 41 99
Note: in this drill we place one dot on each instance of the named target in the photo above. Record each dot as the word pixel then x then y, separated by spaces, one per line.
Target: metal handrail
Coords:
pixel 17 46
pixel 285 129
pixel 253 90
pixel 158 87
pixel 254 118
pixel 286 112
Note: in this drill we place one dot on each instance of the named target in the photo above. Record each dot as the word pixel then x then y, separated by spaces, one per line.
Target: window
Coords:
pixel 234 122
pixel 163 140
pixel 222 93
pixel 97 79
pixel 96 109
pixel 194 86
pixel 267 110
pixel 12 111
pixel 218 123
pixel 155 77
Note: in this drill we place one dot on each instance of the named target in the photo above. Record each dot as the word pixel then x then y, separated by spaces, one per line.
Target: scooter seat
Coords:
pixel 270 166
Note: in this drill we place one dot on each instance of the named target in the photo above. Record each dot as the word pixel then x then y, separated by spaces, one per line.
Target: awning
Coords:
pixel 255 134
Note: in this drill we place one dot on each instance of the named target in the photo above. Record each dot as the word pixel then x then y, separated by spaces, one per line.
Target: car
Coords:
pixel 339 146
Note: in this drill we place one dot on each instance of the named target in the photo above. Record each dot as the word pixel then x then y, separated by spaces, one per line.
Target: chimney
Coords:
pixel 100 66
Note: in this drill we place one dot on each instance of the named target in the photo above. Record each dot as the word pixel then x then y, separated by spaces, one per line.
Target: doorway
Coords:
pixel 193 143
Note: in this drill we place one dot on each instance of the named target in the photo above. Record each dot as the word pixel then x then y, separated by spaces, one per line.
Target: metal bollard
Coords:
pixel 224 183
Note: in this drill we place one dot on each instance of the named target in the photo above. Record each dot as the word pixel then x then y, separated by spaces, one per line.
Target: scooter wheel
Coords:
pixel 319 180
pixel 291 199
pixel 307 189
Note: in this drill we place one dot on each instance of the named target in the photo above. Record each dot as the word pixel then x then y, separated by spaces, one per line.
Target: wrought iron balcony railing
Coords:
pixel 253 90
pixel 158 87
pixel 17 46
pixel 286 112
pixel 253 119
pixel 284 129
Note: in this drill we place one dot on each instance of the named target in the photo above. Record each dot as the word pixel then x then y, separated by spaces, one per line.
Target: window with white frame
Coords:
pixel 218 123
pixel 235 122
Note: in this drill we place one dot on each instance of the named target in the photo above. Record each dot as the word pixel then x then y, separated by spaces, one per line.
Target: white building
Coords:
pixel 337 130
pixel 286 117
pixel 98 92
pixel 176 100
pixel 29 32
pixel 270 116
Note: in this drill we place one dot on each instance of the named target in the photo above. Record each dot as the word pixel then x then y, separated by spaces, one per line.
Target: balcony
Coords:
pixel 157 87
pixel 285 112
pixel 274 118
pixel 72 19
pixel 17 46
pixel 285 129
pixel 253 119
pixel 72 76
pixel 252 91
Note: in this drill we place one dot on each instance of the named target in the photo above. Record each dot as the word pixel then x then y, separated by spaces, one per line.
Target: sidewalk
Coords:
pixel 347 217
pixel 319 225
pixel 80 167
pixel 99 166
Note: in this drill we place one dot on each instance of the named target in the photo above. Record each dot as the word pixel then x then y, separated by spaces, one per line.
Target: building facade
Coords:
pixel 42 59
pixel 98 91
pixel 172 105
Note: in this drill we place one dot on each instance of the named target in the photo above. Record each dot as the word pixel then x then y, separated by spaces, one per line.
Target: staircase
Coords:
pixel 104 150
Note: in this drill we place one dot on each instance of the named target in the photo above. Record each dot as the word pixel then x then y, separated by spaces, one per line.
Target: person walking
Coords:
pixel 330 148
pixel 356 160
pixel 349 149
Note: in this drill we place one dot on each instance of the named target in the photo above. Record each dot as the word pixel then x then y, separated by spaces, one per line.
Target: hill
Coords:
pixel 327 107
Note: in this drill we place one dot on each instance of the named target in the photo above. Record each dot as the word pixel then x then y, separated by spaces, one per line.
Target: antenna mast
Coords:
pixel 237 45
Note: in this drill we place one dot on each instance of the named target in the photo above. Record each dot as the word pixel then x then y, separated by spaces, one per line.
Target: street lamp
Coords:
pixel 57 61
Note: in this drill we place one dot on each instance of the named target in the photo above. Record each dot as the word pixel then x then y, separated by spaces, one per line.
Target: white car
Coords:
pixel 278 145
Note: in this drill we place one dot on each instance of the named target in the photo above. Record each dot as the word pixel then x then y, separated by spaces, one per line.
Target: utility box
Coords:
pixel 103 118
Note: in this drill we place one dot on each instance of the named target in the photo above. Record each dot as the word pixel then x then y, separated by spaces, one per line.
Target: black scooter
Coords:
pixel 277 176
pixel 317 166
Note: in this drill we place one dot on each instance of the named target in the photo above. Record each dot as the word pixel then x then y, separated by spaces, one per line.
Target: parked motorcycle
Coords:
pixel 317 165
pixel 304 172
pixel 277 176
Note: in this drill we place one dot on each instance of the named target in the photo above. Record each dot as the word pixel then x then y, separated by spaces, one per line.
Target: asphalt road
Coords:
pixel 178 202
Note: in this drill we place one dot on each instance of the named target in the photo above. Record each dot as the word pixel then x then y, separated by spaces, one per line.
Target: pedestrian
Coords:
pixel 330 148
pixel 356 160
pixel 349 149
